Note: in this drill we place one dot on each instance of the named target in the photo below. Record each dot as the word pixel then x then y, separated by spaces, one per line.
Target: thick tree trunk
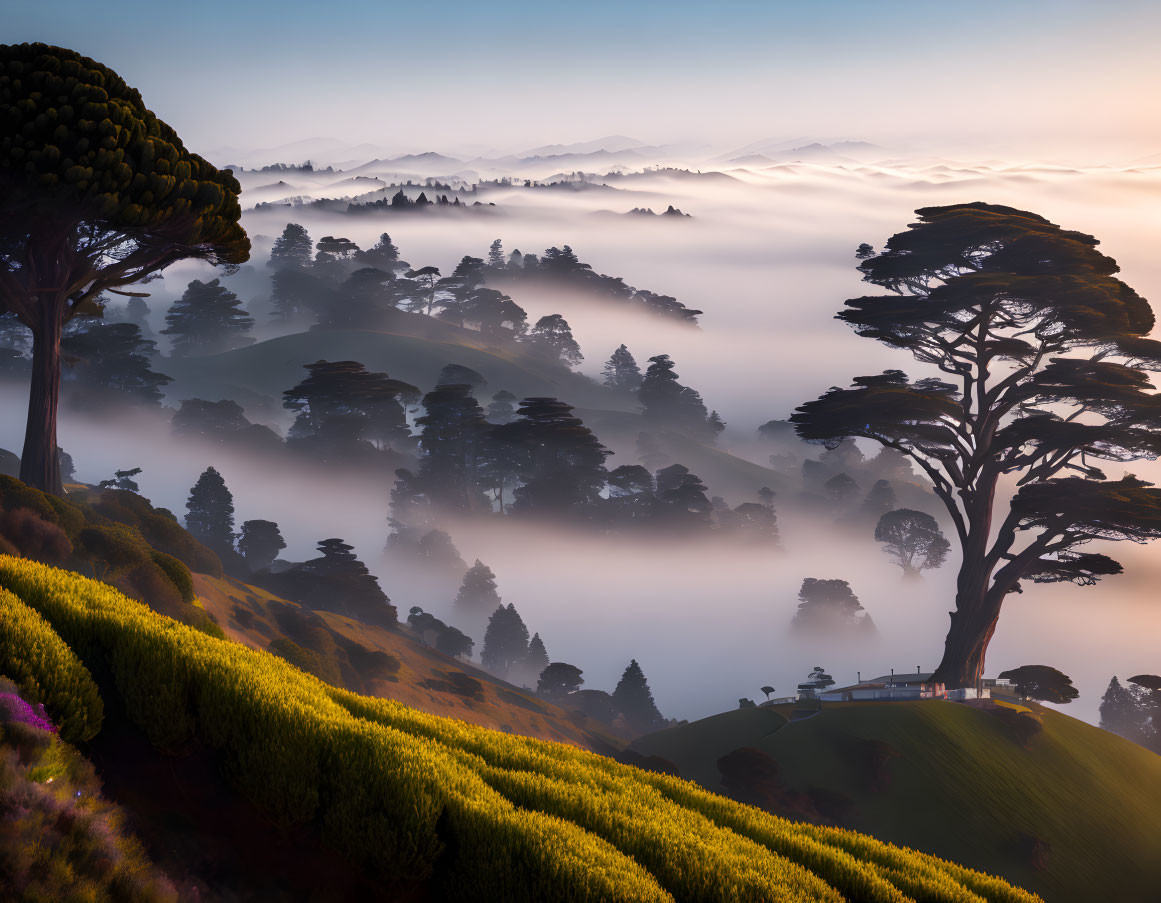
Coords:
pixel 39 465
pixel 972 624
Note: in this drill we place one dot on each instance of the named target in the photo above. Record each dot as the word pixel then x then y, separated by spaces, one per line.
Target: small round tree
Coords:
pixel 96 193
pixel 913 539
pixel 1042 682
pixel 558 680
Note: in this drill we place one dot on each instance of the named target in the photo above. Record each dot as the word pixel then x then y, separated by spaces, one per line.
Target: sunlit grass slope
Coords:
pixel 1069 810
pixel 486 815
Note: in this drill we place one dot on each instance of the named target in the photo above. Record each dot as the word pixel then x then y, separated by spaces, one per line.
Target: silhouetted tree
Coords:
pixel 559 461
pixel 864 251
pixel 260 542
pixel 558 680
pixel 83 213
pixel 913 539
pixel 1036 330
pixel 536 660
pixel 206 319
pixel 505 640
pixel 634 700
pixel 1041 682
pixel 295 293
pixel 841 488
pixel 477 594
pixel 632 495
pixel 210 513
pixel 621 372
pixel 467 276
pixel 668 402
pixel 684 496
pixel 426 278
pixel 122 479
pixel 110 363
pixel 338 581
pixel 552 337
pixel 454 642
pixel 1123 714
pixel 492 312
pixel 453 435
pixel 756 522
pixel 340 404
pixel 332 252
pixel 363 301
pixel 830 607
pixel 291 248
pixel 383 256
pixel 496 254
pixel 222 422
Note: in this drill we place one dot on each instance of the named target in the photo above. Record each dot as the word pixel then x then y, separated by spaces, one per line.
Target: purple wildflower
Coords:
pixel 13 709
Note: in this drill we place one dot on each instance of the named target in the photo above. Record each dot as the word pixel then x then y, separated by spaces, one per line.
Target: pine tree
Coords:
pixel 426 278
pixel 505 640
pixel 383 256
pixel 210 514
pixel 621 371
pixel 208 318
pixel 552 337
pixel 634 700
pixel 496 255
pixel 477 595
pixel 1122 713
pixel 260 542
pixel 291 248
pixel 536 660
pixel 684 497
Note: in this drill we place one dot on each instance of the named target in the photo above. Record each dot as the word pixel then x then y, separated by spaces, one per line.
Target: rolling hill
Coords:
pixel 1047 801
pixel 433 807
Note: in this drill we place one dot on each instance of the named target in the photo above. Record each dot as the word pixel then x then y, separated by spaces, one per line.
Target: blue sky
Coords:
pixel 516 72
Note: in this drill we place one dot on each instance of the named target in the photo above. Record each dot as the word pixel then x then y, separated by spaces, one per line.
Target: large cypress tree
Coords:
pixel 210 513
pixel 552 337
pixel 96 193
pixel 1047 353
pixel 634 700
pixel 260 542
pixel 206 319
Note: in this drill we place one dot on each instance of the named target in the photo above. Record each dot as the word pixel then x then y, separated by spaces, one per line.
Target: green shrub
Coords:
pixel 178 574
pixel 506 817
pixel 47 671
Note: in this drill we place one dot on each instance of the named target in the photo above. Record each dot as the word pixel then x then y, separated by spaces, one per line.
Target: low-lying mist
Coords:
pixel 769 257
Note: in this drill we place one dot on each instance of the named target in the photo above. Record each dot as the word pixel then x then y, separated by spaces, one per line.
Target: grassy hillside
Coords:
pixel 1045 800
pixel 467 812
pixel 269 368
pixel 417 675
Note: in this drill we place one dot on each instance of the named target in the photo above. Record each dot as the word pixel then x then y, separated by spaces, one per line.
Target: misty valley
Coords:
pixel 685 520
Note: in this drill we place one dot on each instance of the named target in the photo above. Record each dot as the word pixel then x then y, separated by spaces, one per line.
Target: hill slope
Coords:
pixel 418 676
pixel 1068 810
pixel 468 812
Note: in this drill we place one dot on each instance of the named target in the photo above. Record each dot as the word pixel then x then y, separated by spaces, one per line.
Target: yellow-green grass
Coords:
pixel 1073 812
pixel 487 815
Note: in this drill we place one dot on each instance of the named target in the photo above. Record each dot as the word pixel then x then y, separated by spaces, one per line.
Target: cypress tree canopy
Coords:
pixel 73 128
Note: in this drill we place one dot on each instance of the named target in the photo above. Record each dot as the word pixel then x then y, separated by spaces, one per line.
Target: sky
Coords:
pixel 444 74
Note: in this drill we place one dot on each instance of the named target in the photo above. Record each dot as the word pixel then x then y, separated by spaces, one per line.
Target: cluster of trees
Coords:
pixel 561 267
pixel 1134 710
pixel 334 581
pixel 540 459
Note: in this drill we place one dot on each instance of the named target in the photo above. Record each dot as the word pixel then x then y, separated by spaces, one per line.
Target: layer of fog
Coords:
pixel 769 258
